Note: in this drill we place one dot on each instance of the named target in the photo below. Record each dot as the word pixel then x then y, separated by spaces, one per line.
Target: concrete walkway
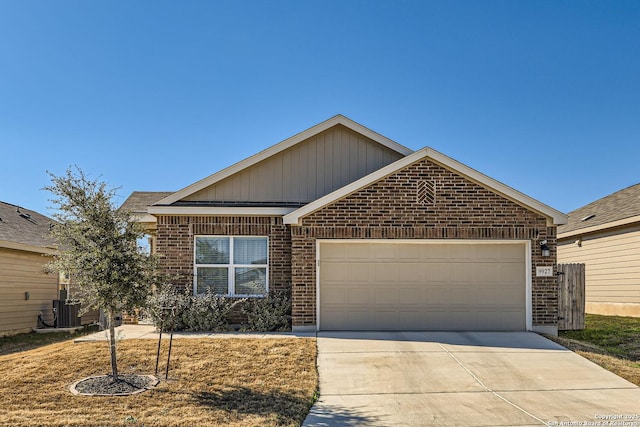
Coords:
pixel 465 379
pixel 149 332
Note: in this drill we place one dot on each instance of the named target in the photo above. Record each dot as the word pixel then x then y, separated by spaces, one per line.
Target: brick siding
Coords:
pixel 422 201
pixel 175 240
pixel 393 208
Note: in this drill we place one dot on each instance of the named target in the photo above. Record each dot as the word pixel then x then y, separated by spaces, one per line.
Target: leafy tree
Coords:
pixel 98 247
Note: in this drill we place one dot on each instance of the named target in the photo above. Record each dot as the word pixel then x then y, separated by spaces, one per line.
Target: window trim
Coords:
pixel 231 266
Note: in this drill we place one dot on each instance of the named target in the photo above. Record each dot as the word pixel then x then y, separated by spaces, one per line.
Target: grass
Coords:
pixel 618 336
pixel 612 342
pixel 231 382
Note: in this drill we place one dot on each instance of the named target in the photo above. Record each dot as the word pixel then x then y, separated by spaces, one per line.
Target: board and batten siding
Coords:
pixel 612 269
pixel 304 172
pixel 21 272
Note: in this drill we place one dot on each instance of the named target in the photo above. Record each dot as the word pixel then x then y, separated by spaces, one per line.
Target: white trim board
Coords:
pixel 554 217
pixel 218 211
pixel 275 149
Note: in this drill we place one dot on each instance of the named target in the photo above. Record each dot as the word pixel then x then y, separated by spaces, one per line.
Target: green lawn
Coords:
pixel 617 336
pixel 612 342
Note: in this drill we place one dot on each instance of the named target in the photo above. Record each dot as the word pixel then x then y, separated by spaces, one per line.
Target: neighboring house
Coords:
pixel 366 234
pixel 605 236
pixel 25 288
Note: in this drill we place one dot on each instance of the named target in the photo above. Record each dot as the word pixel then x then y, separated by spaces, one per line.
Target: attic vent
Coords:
pixel 426 193
pixel 588 217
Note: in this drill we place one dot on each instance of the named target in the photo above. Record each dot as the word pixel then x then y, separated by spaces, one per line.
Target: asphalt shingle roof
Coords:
pixel 138 201
pixel 614 207
pixel 20 225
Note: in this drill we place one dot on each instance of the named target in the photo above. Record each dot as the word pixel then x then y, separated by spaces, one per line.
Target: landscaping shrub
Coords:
pixel 166 296
pixel 208 312
pixel 197 313
pixel 272 313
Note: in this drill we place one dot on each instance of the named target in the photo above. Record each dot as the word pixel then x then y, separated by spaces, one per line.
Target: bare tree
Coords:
pixel 98 247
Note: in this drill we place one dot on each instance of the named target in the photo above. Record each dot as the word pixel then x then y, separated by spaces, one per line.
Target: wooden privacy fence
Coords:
pixel 571 301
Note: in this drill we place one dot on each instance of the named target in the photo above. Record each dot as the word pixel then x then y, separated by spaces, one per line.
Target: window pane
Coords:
pixel 212 250
pixel 251 281
pixel 214 278
pixel 250 250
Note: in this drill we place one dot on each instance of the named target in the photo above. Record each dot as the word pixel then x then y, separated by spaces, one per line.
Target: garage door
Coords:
pixel 422 286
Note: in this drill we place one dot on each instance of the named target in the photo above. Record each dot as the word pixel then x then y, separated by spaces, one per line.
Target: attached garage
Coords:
pixel 423 285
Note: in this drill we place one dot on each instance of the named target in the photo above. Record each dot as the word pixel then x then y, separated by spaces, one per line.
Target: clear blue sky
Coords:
pixel 155 95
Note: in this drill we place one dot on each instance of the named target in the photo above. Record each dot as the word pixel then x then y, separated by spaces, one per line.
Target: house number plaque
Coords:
pixel 544 271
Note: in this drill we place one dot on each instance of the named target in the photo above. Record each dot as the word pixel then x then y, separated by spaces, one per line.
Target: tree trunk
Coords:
pixel 112 345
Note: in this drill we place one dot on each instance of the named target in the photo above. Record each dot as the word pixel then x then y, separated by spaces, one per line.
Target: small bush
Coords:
pixel 208 312
pixel 197 313
pixel 165 297
pixel 272 313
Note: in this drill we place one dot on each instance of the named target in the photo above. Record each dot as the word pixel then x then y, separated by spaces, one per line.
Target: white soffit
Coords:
pixel 554 216
pixel 281 146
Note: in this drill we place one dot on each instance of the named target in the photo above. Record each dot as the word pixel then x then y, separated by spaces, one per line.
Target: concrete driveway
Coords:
pixel 466 379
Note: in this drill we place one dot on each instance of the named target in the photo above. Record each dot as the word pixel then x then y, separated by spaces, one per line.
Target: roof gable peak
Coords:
pixel 554 217
pixel 338 119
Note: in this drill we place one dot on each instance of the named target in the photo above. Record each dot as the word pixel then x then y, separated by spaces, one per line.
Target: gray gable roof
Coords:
pixel 24 226
pixel 614 207
pixel 138 201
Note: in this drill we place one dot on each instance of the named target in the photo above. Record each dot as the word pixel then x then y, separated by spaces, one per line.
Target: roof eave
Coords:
pixel 144 217
pixel 600 227
pixel 27 247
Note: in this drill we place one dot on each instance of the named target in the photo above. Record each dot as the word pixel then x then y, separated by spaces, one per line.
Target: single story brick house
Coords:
pixel 366 234
pixel 605 236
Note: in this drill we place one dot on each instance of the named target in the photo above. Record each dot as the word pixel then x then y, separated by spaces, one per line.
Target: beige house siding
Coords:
pixel 304 172
pixel 21 272
pixel 612 268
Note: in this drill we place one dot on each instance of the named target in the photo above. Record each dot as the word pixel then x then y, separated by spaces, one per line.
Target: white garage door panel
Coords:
pixel 422 286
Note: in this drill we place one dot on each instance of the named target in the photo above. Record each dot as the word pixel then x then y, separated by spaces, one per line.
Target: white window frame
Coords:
pixel 231 266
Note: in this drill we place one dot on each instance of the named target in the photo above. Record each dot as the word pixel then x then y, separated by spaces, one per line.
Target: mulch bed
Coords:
pixel 104 385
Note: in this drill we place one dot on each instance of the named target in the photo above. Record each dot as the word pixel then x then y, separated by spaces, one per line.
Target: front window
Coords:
pixel 231 266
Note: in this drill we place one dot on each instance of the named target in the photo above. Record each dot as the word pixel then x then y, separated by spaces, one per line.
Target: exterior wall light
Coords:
pixel 545 249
